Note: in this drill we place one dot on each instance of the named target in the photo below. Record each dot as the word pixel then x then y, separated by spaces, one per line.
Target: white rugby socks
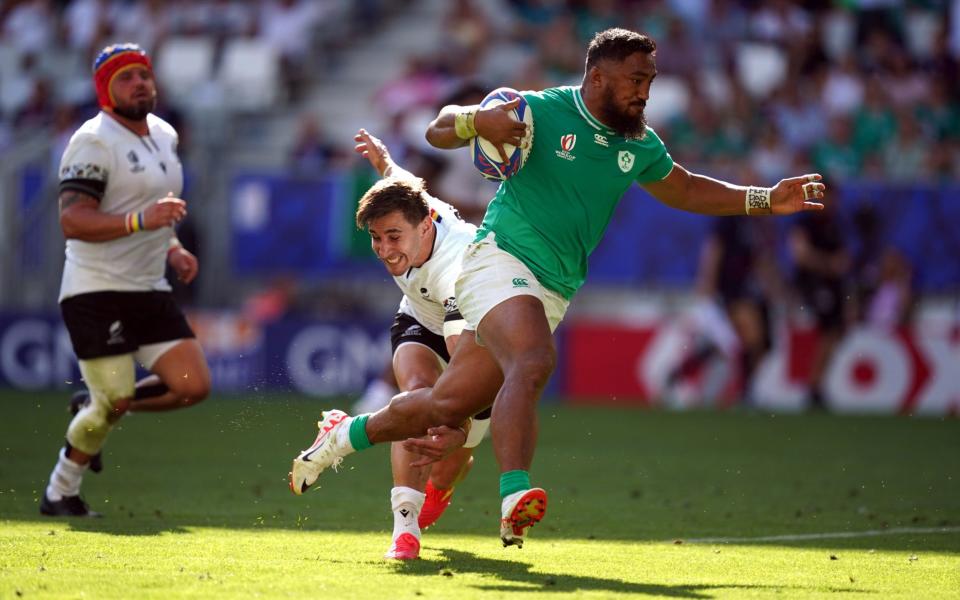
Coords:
pixel 406 504
pixel 65 478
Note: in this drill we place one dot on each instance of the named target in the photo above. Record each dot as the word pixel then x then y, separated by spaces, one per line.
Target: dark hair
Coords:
pixel 392 194
pixel 617 44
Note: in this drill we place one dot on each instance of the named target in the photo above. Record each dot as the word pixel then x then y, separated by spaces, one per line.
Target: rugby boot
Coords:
pixel 323 453
pixel 436 502
pixel 68 506
pixel 405 547
pixel 520 511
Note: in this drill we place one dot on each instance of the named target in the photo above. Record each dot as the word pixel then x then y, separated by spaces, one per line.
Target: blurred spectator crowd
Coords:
pixel 748 90
pixel 221 54
pixel 855 89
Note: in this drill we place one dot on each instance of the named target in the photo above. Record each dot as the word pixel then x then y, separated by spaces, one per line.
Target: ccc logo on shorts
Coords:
pixel 519 282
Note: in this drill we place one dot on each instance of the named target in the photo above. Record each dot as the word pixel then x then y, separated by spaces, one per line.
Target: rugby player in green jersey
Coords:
pixel 530 255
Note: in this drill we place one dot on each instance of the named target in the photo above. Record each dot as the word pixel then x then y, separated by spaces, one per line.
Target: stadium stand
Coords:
pixel 747 90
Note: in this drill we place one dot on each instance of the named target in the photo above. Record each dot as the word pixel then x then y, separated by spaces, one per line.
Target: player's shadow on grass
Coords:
pixel 125 527
pixel 516 576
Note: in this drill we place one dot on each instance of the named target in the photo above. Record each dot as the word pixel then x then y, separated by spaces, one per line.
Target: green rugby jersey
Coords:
pixel 552 214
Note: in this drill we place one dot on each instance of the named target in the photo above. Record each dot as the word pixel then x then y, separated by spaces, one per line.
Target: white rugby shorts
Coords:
pixel 490 276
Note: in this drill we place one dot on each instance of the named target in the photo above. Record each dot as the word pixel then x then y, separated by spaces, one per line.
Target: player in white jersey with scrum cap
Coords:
pixel 420 241
pixel 120 178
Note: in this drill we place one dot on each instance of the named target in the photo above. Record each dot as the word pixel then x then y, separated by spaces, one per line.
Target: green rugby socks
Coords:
pixel 358 432
pixel 513 481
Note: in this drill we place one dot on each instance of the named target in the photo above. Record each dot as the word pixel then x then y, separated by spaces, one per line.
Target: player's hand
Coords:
pixel 167 212
pixel 372 149
pixel 184 264
pixel 436 445
pixel 497 126
pixel 797 193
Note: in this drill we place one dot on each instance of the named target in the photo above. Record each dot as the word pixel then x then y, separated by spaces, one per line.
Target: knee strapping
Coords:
pixel 110 381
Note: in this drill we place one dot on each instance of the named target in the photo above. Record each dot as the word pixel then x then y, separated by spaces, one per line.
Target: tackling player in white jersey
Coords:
pixel 420 241
pixel 120 178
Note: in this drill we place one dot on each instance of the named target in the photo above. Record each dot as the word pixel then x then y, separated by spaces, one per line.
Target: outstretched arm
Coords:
pixel 374 150
pixel 705 195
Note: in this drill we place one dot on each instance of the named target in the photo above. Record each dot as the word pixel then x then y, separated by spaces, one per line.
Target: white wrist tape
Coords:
pixel 758 201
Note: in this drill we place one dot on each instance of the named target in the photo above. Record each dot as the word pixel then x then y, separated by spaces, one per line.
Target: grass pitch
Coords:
pixel 691 505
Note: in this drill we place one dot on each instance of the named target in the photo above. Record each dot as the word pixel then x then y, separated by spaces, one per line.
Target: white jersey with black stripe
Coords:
pixel 134 172
pixel 428 290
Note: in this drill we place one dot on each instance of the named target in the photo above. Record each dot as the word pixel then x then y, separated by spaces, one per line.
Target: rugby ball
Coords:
pixel 485 156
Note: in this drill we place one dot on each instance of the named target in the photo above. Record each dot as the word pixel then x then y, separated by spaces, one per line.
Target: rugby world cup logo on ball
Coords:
pixel 485 156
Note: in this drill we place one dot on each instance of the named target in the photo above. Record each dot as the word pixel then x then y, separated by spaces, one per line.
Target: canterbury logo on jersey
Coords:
pixel 519 282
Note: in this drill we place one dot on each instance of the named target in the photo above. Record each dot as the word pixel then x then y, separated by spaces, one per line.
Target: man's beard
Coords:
pixel 138 111
pixel 621 122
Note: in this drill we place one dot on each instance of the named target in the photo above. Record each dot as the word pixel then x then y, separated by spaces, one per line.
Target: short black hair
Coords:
pixel 390 194
pixel 617 44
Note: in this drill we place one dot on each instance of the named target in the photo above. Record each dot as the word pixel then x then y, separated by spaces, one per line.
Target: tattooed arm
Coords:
pixel 81 218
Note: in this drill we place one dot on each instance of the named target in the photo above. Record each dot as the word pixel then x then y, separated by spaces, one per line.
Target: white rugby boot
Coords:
pixel 326 451
pixel 520 511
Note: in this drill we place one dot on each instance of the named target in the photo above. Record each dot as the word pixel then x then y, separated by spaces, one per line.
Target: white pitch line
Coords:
pixel 821 536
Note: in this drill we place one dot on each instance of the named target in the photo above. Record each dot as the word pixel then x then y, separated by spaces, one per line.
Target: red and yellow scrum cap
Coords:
pixel 110 62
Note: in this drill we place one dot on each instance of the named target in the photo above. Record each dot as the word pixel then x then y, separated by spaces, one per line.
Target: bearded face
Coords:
pixel 626 117
pixel 135 93
pixel 138 110
pixel 623 88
